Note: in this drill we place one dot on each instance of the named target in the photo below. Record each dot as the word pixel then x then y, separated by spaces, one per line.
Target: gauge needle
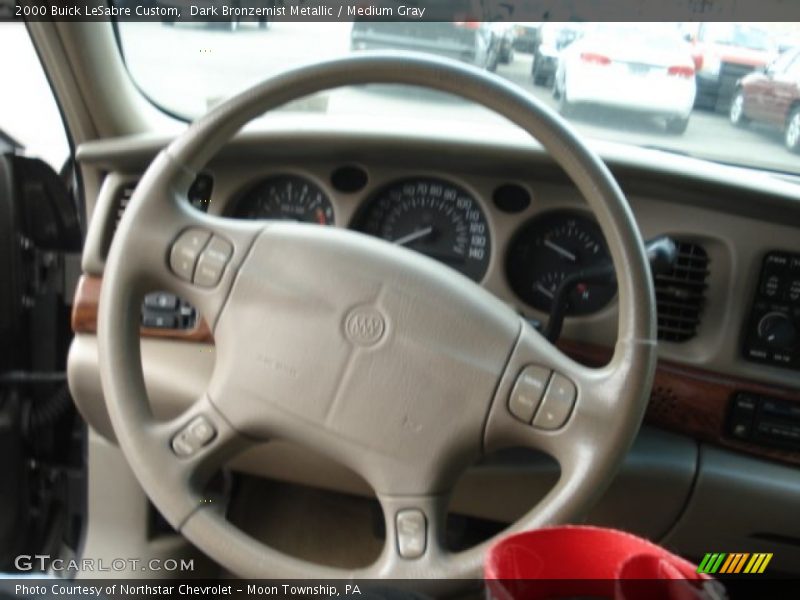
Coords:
pixel 413 236
pixel 562 251
pixel 544 290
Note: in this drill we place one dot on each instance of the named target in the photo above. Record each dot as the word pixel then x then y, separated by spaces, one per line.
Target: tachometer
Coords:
pixel 434 217
pixel 286 197
pixel 548 249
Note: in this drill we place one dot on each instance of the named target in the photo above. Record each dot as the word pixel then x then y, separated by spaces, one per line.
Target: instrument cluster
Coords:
pixel 447 222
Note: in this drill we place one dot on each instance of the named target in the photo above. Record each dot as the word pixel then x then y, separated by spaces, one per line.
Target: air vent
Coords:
pixel 123 198
pixel 199 195
pixel 680 294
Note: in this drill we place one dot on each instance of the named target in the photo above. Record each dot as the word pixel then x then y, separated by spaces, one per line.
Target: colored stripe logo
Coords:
pixel 734 563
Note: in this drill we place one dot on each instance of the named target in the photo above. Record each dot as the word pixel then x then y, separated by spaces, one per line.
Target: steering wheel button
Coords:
pixel 212 262
pixel 527 392
pixel 201 431
pixel 219 249
pixel 559 398
pixel 185 250
pixel 182 445
pixel 411 533
pixel 198 433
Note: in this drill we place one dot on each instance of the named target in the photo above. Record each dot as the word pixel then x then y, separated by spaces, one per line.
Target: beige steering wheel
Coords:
pixel 385 360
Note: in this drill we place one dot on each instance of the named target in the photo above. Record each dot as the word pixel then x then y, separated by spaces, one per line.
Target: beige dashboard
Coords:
pixel 737 217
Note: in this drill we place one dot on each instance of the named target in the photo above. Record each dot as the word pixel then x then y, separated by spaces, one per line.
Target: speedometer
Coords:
pixel 434 217
pixel 288 198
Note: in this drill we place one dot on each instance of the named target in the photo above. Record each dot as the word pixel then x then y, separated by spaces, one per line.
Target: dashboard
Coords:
pixel 508 218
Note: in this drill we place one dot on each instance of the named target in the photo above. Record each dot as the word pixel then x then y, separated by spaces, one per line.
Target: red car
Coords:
pixel 772 96
pixel 723 53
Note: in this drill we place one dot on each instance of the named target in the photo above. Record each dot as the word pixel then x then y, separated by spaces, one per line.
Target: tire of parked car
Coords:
pixel 539 78
pixel 564 106
pixel 791 136
pixel 736 111
pixel 677 125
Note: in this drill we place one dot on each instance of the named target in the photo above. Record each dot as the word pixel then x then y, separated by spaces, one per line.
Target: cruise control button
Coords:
pixel 411 533
pixel 185 250
pixel 559 398
pixel 212 262
pixel 527 392
pixel 198 433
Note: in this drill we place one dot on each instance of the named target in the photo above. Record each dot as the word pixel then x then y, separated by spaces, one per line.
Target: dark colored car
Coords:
pixel 526 37
pixel 472 42
pixel 504 38
pixel 553 38
pixel 772 96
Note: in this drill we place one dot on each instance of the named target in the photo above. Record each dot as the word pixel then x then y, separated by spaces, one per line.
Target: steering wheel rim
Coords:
pixel 609 402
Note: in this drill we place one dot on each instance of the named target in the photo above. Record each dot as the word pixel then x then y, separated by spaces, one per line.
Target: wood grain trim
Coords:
pixel 687 400
pixel 84 316
pixel 695 402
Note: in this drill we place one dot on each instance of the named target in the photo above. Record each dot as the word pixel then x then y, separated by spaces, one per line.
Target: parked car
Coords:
pixel 472 42
pixel 526 37
pixel 723 54
pixel 504 38
pixel 771 96
pixel 554 38
pixel 632 66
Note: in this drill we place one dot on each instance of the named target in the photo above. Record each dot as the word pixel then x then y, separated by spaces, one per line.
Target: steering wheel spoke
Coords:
pixel 581 416
pixel 191 448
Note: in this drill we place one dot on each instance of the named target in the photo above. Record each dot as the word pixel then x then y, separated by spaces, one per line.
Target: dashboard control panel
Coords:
pixel 773 330
pixel 764 420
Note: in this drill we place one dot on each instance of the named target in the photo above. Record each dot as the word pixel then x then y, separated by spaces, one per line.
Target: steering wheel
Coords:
pixel 378 357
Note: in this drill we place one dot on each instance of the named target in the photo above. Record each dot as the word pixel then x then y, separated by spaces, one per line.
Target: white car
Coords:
pixel 647 69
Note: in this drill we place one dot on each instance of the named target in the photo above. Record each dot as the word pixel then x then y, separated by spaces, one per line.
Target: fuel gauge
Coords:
pixel 548 249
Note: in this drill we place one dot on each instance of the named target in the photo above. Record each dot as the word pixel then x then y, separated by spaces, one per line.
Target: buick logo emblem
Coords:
pixel 364 325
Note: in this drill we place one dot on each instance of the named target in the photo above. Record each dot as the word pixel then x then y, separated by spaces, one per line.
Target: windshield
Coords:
pixel 648 84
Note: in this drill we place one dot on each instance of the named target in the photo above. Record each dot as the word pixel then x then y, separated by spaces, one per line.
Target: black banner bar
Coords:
pixel 399 10
pixel 734 588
